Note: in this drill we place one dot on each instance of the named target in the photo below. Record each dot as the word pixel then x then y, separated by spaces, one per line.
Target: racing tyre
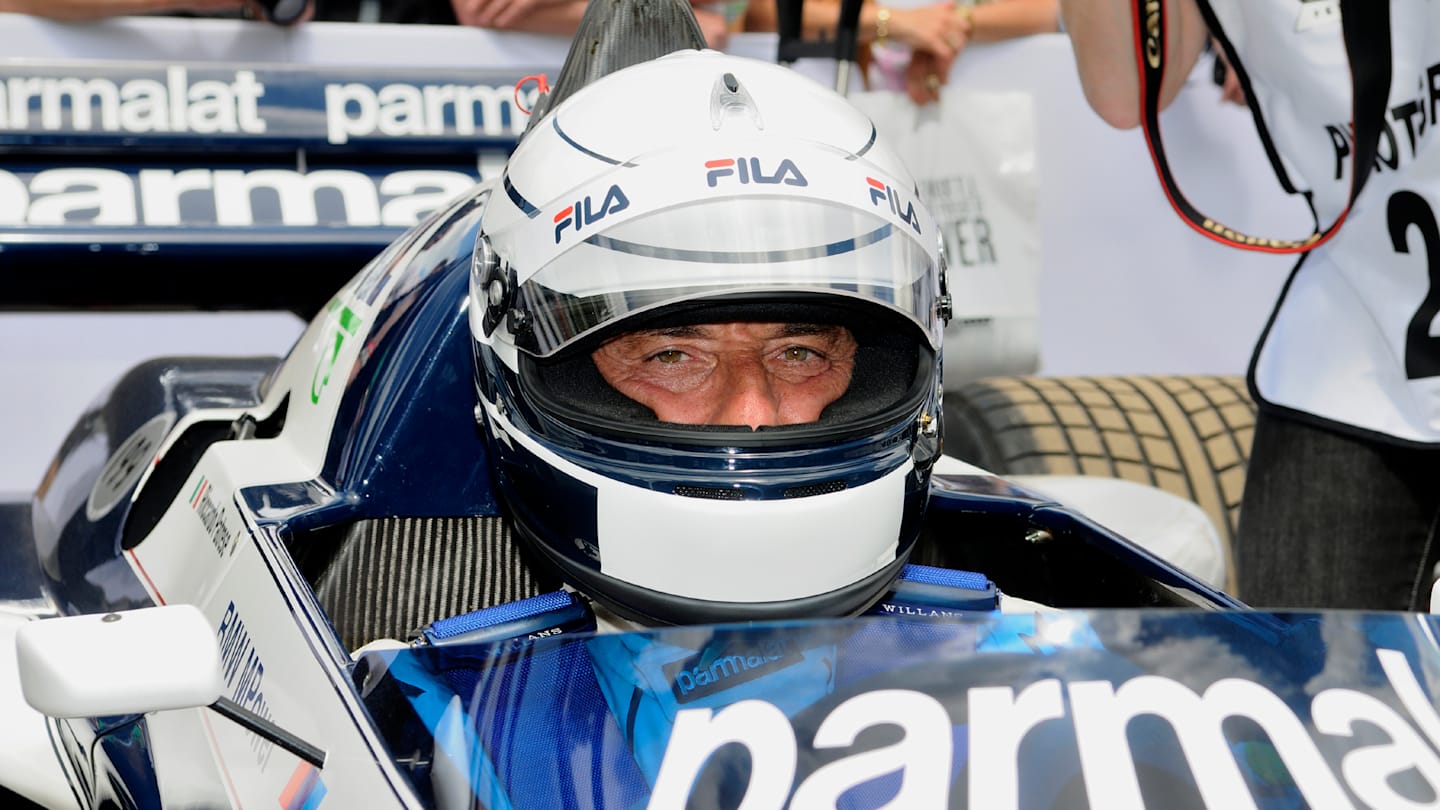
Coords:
pixel 10 799
pixel 1188 435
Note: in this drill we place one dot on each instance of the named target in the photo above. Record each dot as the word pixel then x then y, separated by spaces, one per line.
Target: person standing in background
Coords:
pixel 1341 504
pixel 559 17
pixel 911 47
pixel 986 21
pixel 534 16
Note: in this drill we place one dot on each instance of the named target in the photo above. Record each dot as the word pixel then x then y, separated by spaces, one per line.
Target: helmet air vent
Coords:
pixel 729 99
pixel 824 488
pixel 713 493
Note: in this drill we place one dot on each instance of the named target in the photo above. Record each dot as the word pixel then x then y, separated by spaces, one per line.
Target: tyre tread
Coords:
pixel 1189 435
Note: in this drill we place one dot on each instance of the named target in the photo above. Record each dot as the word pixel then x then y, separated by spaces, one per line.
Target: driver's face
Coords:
pixel 750 374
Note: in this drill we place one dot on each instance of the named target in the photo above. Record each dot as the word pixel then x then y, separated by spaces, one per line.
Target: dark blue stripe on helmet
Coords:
pixel 555 122
pixel 868 144
pixel 742 257
pixel 520 202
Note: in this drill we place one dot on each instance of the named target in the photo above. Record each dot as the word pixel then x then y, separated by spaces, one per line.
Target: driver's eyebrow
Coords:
pixel 672 331
pixel 802 329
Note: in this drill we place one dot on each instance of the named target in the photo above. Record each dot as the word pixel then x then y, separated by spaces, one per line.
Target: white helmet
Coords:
pixel 705 188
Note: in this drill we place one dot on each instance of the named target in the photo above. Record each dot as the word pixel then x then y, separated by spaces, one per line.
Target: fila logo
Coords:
pixel 748 170
pixel 900 208
pixel 585 212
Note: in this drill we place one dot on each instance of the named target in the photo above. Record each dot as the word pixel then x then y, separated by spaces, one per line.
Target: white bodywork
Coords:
pixel 279 656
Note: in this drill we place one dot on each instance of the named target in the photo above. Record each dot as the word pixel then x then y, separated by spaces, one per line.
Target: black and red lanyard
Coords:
pixel 1366 31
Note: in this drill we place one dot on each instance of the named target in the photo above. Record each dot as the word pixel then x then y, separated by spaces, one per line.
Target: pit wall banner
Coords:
pixel 201 149
pixel 168 105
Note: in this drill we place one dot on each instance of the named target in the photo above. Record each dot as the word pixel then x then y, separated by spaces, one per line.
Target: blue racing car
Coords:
pixel 469 545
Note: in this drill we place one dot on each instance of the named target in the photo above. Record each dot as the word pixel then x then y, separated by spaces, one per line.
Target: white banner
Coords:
pixel 974 157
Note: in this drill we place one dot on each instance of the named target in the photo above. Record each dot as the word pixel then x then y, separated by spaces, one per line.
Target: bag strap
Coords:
pixel 1366 31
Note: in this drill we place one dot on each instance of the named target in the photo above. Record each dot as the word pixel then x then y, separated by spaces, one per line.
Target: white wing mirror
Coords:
pixel 134 662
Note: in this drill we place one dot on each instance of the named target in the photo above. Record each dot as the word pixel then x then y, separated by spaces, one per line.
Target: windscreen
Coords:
pixel 1115 708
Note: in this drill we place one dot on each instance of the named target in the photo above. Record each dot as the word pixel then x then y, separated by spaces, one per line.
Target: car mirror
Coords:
pixel 128 662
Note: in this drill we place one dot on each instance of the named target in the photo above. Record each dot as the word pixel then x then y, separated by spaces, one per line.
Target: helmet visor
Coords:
pixel 763 244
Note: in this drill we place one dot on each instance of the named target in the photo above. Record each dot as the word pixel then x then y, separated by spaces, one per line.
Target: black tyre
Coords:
pixel 10 799
pixel 1188 435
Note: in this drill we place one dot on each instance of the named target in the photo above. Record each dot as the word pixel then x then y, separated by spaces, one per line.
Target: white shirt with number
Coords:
pixel 1354 338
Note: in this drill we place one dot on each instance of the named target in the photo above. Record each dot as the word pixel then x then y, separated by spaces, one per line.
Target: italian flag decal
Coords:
pixel 200 490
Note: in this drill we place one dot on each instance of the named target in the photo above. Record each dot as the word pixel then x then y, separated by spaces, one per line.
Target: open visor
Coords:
pixel 722 247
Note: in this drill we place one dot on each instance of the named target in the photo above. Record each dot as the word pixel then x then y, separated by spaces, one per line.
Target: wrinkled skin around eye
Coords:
pixel 752 374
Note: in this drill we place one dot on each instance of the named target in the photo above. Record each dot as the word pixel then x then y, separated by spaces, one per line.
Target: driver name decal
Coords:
pixel 213 517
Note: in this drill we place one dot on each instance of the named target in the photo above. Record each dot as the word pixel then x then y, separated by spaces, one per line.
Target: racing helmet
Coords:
pixel 703 188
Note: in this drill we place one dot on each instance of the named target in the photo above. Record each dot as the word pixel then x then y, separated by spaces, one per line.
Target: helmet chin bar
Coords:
pixel 653 607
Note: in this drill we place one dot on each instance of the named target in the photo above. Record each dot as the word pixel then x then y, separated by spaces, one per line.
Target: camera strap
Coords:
pixel 1366 31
